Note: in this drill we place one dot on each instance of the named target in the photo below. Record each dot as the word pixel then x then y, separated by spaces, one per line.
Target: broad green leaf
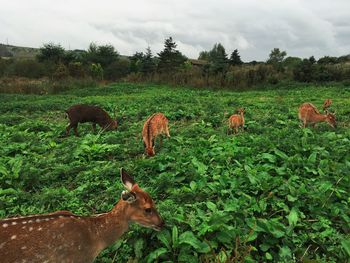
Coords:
pixel 189 238
pixel 346 245
pixel 156 254
pixel 293 217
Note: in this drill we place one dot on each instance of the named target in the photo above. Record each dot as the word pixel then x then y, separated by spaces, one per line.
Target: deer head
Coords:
pixel 140 205
pixel 331 120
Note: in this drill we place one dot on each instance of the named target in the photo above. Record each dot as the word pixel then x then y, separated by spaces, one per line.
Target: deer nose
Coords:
pixel 161 224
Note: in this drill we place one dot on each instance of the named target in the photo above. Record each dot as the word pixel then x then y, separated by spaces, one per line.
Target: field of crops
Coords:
pixel 275 192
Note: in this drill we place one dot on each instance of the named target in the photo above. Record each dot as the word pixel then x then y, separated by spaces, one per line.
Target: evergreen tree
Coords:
pixel 204 55
pixel 148 65
pixel 218 59
pixel 235 58
pixel 170 59
pixel 136 61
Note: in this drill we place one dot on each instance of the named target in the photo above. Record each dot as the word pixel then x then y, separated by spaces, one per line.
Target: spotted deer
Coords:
pixel 155 125
pixel 326 104
pixel 81 113
pixel 236 120
pixel 308 114
pixel 66 237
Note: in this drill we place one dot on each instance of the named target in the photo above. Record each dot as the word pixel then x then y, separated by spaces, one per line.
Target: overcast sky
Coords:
pixel 300 27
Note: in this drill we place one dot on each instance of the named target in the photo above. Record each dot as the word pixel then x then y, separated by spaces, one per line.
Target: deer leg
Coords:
pixel 75 127
pixel 68 129
pixel 161 140
pixel 236 130
pixel 167 131
pixel 94 127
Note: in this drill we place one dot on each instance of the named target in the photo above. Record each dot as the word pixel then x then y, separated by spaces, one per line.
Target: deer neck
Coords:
pixel 242 117
pixel 320 117
pixel 109 227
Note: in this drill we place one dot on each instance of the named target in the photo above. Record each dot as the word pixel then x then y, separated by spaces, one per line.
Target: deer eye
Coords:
pixel 148 210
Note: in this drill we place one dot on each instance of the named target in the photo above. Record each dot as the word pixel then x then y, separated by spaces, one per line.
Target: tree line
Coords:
pixel 213 68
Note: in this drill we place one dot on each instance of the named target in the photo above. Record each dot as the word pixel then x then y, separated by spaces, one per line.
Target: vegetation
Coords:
pixel 273 193
pixel 214 68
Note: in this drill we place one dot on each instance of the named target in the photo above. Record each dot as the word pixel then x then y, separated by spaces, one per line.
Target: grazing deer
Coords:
pixel 65 237
pixel 81 113
pixel 326 104
pixel 309 114
pixel 155 125
pixel 236 120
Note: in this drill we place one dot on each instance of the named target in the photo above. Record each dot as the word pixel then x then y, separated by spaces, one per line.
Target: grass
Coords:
pixel 272 193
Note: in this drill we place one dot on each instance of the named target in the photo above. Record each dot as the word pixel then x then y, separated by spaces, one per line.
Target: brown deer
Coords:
pixel 236 120
pixel 66 237
pixel 309 114
pixel 155 125
pixel 81 113
pixel 326 104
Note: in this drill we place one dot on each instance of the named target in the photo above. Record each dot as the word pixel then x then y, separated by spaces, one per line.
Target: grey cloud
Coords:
pixel 302 28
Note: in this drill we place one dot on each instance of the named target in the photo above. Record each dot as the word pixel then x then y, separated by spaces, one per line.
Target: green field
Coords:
pixel 275 192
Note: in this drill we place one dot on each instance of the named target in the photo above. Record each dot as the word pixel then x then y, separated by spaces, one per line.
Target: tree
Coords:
pixel 218 59
pixel 235 58
pixel 276 56
pixel 204 55
pixel 103 55
pixel 148 65
pixel 51 53
pixel 136 61
pixel 170 59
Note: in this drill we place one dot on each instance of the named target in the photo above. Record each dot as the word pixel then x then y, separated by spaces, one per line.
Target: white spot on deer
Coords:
pixel 38 220
pixel 24 261
pixel 24 247
pixel 5 225
pixel 47 219
pixel 13 237
pixel 2 245
pixel 31 228
pixel 62 225
pixel 30 221
pixel 40 228
pixel 24 222
pixel 24 227
pixel 14 223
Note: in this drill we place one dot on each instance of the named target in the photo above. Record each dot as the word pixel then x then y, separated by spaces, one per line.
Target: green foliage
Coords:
pixel 170 59
pixel 51 52
pixel 103 55
pixel 96 71
pixel 235 58
pixel 276 56
pixel 273 193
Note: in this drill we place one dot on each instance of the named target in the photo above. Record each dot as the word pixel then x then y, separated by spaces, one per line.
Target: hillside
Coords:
pixel 8 51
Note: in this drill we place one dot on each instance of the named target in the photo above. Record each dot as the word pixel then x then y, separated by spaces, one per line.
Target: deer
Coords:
pixel 236 120
pixel 309 114
pixel 155 125
pixel 81 113
pixel 65 237
pixel 326 104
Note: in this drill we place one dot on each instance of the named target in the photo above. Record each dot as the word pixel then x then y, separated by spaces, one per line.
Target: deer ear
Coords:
pixel 129 197
pixel 126 179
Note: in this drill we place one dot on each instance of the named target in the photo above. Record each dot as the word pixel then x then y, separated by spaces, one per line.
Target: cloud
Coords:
pixel 254 27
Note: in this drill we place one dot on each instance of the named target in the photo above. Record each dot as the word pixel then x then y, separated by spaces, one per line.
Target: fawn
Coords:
pixel 66 237
pixel 236 120
pixel 309 114
pixel 155 125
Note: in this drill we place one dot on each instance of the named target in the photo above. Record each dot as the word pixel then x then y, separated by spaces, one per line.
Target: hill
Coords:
pixel 9 51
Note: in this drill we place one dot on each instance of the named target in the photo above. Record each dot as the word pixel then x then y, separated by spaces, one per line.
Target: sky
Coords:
pixel 300 27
